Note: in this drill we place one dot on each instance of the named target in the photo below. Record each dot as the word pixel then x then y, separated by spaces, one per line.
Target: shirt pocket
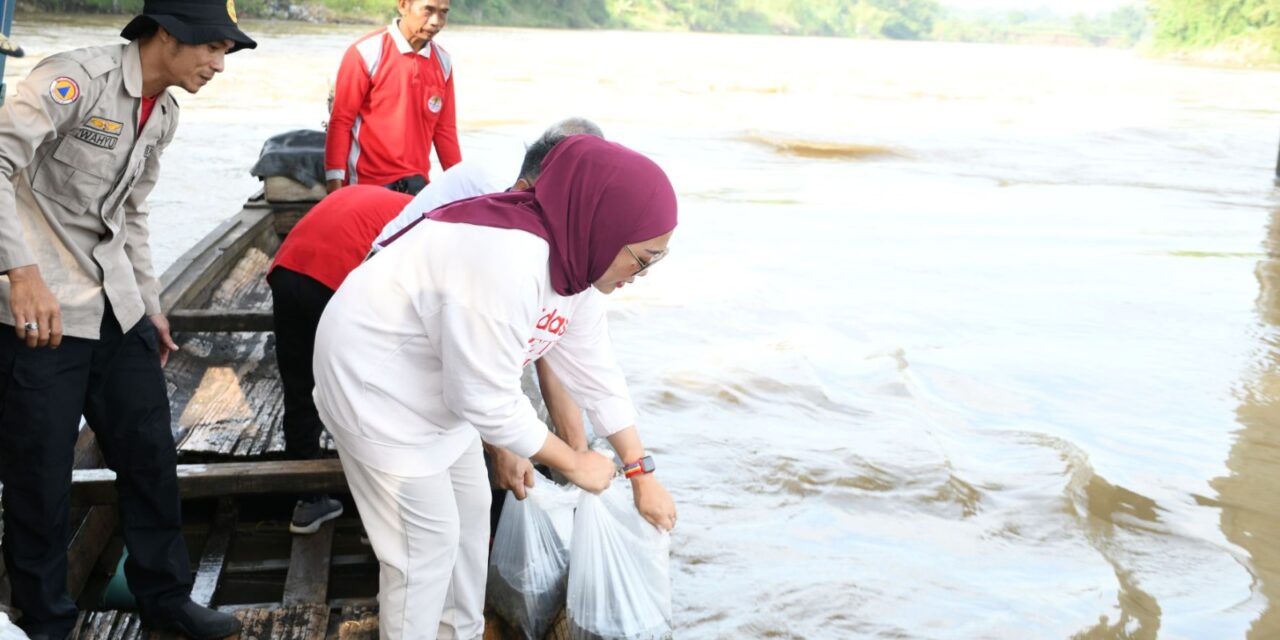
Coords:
pixel 76 175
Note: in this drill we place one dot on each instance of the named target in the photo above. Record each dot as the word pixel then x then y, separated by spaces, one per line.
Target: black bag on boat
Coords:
pixel 297 155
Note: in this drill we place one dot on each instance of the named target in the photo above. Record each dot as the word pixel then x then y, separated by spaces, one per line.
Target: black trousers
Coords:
pixel 117 384
pixel 297 302
pixel 408 184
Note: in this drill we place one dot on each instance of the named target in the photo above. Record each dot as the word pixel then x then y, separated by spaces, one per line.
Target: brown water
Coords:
pixel 956 341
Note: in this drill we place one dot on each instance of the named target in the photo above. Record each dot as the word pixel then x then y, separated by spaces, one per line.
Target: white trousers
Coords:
pixel 431 537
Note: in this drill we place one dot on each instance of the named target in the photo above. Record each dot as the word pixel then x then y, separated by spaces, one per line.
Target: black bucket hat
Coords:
pixel 191 22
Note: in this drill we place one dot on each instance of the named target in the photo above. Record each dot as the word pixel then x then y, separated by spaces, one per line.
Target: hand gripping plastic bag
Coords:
pixel 619 584
pixel 529 565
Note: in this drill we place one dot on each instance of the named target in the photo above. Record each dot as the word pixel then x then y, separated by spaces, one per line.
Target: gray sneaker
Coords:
pixel 310 513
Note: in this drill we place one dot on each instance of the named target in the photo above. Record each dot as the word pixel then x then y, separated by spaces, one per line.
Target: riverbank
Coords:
pixel 1239 52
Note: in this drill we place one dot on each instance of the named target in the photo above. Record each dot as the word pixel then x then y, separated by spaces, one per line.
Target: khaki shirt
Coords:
pixel 76 175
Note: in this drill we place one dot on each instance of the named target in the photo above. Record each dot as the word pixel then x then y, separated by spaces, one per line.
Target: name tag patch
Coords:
pixel 96 138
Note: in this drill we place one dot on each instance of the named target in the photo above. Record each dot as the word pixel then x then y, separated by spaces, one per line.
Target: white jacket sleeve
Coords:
pixel 482 360
pixel 584 361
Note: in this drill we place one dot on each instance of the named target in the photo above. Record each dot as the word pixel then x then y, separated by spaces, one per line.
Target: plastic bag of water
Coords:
pixel 529 565
pixel 619 584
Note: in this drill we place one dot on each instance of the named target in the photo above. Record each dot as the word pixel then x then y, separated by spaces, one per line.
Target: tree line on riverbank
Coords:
pixel 1237 30
pixel 1248 26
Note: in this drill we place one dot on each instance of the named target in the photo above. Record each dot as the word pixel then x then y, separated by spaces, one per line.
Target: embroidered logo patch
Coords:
pixel 64 90
pixel 231 10
pixel 104 125
pixel 435 103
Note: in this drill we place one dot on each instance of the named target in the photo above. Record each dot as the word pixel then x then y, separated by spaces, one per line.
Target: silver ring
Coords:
pixel 31 326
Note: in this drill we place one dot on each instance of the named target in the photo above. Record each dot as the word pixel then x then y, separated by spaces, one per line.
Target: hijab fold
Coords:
pixel 592 198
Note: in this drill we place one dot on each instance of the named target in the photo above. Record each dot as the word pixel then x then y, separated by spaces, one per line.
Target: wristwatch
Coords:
pixel 641 466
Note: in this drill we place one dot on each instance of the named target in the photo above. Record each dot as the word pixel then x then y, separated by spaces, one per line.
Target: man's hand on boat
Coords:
pixel 332 185
pixel 511 471
pixel 167 345
pixel 37 317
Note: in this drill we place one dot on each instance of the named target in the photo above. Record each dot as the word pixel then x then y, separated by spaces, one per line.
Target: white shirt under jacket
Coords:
pixel 424 344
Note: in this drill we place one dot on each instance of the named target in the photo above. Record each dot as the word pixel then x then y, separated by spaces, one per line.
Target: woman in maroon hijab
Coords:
pixel 419 355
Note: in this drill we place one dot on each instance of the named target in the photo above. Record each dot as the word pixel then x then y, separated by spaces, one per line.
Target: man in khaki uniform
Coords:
pixel 80 148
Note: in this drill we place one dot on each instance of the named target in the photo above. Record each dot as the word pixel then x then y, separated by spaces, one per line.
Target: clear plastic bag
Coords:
pixel 8 630
pixel 529 565
pixel 619 581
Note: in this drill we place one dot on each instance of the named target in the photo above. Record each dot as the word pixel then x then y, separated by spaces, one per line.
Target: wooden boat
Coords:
pixel 237 489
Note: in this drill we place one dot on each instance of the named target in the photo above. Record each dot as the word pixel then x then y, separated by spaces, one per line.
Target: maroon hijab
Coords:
pixel 592 198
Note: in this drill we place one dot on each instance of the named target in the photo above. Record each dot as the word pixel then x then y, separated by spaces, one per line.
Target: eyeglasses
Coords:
pixel 644 266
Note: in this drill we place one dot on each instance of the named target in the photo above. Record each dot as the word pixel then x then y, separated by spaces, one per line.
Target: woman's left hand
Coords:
pixel 653 502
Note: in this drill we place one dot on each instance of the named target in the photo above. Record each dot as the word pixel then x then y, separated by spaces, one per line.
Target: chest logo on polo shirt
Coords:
pixel 64 90
pixel 231 10
pixel 435 104
pixel 104 125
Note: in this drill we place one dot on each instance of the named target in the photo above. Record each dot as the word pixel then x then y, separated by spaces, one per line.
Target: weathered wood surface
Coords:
pixel 225 387
pixel 214 556
pixel 282 564
pixel 308 579
pixel 111 625
pixel 357 623
pixel 303 622
pixel 89 538
pixel 220 320
pixel 188 283
pixel 97 486
pixel 91 526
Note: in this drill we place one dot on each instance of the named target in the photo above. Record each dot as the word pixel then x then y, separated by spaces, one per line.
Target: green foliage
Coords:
pixel 1201 23
pixel 1246 30
pixel 898 19
pixel 1120 28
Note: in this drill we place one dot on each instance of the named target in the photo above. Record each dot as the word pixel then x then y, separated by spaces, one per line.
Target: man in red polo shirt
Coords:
pixel 326 245
pixel 392 102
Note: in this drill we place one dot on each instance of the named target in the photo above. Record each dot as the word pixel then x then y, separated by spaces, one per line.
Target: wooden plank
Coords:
pixel 300 622
pixel 357 623
pixel 97 486
pixel 308 579
pixel 257 623
pixel 87 543
pixel 269 566
pixel 91 527
pixel 221 320
pixel 188 280
pixel 87 452
pixel 128 627
pixel 227 395
pixel 214 556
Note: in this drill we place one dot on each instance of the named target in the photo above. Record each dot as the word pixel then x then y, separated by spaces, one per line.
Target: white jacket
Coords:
pixel 424 344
